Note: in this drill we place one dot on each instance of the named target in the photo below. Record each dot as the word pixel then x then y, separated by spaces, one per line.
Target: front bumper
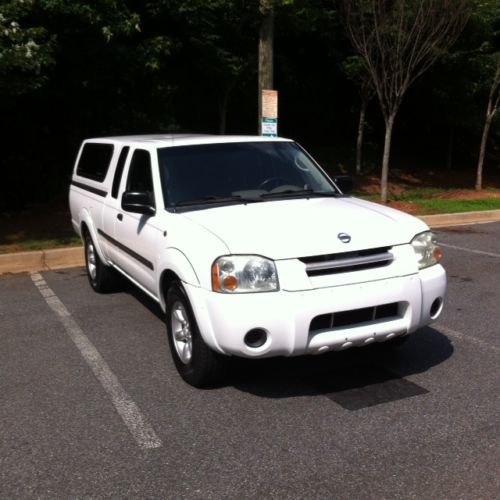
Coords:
pixel 224 319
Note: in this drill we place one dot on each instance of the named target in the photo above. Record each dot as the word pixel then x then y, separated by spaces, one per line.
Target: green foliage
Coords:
pixel 71 69
pixel 355 70
pixel 483 50
pixel 461 83
pixel 109 18
pixel 25 49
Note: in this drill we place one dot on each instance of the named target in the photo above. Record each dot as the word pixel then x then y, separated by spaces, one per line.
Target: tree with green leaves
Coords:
pixel 209 45
pixel 225 44
pixel 95 52
pixel 486 58
pixel 356 72
pixel 491 110
pixel 399 41
pixel 25 49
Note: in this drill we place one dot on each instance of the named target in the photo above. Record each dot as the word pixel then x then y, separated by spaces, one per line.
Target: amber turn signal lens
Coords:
pixel 230 283
pixel 437 254
pixel 215 278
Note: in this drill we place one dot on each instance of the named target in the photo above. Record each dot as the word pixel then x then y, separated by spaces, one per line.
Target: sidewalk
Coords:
pixel 59 258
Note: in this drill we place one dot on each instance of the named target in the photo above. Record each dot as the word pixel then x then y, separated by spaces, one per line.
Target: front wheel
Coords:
pixel 196 363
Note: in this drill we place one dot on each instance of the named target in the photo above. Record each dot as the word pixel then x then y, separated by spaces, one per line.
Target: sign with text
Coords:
pixel 270 127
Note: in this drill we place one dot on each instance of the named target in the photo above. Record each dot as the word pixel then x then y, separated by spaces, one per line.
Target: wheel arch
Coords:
pixel 174 266
pixel 166 279
pixel 87 227
pixel 193 293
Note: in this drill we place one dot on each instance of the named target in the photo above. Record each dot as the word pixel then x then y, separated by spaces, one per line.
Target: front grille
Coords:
pixel 354 317
pixel 344 262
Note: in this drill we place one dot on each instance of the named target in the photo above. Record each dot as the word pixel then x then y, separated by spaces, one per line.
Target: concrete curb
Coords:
pixel 59 258
pixel 41 260
pixel 462 218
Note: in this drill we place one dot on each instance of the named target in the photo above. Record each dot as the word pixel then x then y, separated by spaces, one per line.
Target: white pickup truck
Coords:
pixel 250 248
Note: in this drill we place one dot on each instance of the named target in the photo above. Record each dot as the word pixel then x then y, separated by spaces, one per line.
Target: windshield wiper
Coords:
pixel 215 199
pixel 289 193
pixel 307 193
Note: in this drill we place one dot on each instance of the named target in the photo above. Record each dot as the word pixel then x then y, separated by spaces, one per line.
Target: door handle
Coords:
pixel 119 216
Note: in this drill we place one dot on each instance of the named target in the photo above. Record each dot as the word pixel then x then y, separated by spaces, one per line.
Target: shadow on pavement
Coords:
pixel 355 379
pixel 126 286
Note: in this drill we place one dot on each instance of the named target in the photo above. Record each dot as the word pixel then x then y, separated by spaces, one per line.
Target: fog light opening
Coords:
pixel 255 338
pixel 436 307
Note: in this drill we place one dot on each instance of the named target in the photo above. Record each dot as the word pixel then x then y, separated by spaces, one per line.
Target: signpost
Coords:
pixel 269 124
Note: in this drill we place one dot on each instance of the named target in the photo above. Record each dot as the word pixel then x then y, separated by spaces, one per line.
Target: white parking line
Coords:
pixel 480 252
pixel 468 338
pixel 130 413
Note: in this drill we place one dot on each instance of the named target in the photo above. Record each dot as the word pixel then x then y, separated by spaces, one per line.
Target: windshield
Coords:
pixel 238 172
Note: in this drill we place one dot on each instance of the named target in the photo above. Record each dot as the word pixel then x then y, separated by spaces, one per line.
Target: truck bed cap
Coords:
pixel 166 140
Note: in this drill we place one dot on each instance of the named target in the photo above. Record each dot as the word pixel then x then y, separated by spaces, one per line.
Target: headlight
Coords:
pixel 244 273
pixel 426 249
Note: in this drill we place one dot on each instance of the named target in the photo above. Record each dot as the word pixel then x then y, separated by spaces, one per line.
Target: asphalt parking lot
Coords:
pixel 91 404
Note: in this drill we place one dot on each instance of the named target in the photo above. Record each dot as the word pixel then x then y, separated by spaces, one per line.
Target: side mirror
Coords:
pixel 138 202
pixel 344 183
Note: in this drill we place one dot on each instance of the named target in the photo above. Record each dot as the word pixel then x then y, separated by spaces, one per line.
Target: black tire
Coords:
pixel 203 367
pixel 102 278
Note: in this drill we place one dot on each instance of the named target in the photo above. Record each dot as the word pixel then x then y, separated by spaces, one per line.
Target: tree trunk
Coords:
pixel 266 38
pixel 361 129
pixel 493 101
pixel 449 152
pixel 482 151
pixel 389 123
pixel 223 112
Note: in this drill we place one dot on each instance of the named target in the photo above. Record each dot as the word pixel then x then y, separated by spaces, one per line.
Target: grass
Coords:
pixel 431 200
pixel 436 206
pixel 40 244
pixel 420 193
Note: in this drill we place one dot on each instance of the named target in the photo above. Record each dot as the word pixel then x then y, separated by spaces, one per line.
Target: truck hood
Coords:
pixel 284 229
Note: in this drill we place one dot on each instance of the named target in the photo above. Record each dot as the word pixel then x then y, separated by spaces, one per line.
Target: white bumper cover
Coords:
pixel 225 319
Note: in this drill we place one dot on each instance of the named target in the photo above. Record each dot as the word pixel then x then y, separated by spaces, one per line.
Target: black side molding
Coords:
pixel 94 190
pixel 121 246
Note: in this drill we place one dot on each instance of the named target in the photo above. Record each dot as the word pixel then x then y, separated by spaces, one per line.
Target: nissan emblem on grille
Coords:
pixel 344 237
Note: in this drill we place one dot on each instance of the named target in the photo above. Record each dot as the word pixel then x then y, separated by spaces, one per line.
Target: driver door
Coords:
pixel 137 235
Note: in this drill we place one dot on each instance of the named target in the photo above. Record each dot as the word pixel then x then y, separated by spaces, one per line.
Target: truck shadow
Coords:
pixel 356 378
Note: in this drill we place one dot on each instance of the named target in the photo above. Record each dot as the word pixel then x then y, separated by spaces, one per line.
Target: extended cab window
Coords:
pixel 94 161
pixel 140 178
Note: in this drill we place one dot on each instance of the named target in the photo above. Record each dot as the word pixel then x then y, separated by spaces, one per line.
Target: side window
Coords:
pixel 139 174
pixel 119 171
pixel 94 161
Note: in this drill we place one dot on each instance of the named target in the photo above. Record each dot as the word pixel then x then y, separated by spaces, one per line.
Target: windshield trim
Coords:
pixel 250 201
